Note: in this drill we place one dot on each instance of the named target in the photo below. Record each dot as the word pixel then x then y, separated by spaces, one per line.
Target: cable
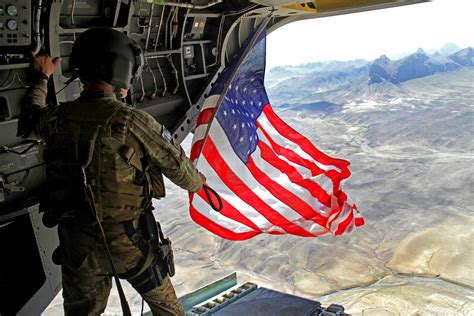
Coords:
pixel 165 87
pixel 192 6
pixel 73 8
pixel 155 86
pixel 6 149
pixel 149 26
pixel 159 27
pixel 175 73
pixel 36 27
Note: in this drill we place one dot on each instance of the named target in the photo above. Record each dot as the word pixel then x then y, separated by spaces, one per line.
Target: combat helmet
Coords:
pixel 106 54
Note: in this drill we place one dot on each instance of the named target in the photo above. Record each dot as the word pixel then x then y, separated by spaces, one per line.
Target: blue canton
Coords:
pixel 243 103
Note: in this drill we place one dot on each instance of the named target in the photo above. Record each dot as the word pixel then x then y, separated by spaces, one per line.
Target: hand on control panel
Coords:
pixel 44 64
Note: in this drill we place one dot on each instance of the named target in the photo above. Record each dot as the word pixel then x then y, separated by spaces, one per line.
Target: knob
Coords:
pixel 12 25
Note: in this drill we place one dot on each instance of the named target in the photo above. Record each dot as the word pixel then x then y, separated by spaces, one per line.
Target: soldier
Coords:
pixel 105 162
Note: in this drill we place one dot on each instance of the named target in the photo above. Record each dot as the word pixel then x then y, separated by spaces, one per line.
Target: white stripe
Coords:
pixel 236 165
pixel 210 102
pixel 286 143
pixel 215 182
pixel 322 179
pixel 305 172
pixel 283 180
pixel 342 216
pixel 200 132
pixel 205 210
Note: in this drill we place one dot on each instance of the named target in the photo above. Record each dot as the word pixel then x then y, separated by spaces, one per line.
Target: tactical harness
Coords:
pixel 82 171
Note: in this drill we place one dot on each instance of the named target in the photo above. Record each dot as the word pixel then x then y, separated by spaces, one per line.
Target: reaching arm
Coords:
pixel 164 153
pixel 35 97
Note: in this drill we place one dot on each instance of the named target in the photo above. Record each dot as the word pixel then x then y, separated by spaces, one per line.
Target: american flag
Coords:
pixel 269 177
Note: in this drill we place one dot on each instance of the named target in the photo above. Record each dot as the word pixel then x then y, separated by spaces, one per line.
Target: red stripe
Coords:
pixel 314 189
pixel 287 197
pixel 229 211
pixel 304 143
pixel 334 175
pixel 241 190
pixel 205 116
pixel 216 229
pixel 196 149
pixel 343 225
pixel 291 155
pixel 359 221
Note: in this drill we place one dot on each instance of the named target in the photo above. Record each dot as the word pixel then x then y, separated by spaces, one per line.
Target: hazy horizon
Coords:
pixel 428 50
pixel 368 35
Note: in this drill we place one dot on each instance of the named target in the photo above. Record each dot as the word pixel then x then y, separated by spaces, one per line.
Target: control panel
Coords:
pixel 15 23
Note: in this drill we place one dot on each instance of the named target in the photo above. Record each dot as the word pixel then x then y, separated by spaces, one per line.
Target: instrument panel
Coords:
pixel 15 23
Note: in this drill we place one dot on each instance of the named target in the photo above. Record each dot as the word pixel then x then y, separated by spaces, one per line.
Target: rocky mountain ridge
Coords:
pixel 418 65
pixel 339 81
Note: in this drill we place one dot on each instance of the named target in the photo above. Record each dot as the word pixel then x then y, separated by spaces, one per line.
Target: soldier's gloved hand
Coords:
pixel 44 64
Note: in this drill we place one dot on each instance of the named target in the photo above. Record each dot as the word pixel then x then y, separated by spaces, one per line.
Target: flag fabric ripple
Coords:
pixel 269 177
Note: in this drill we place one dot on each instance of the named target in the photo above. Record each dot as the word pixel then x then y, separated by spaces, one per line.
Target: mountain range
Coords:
pixel 417 65
pixel 339 81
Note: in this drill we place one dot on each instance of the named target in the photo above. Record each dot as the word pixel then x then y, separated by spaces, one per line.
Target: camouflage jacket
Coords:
pixel 126 169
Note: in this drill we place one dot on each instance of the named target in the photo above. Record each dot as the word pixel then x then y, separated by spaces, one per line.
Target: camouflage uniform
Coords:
pixel 131 153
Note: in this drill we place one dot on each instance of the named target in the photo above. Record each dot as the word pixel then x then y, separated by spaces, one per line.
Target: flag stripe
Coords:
pixel 283 142
pixel 332 172
pixel 226 222
pixel 294 136
pixel 229 211
pixel 285 196
pixel 318 195
pixel 244 176
pixel 206 116
pixel 212 155
pixel 318 176
pixel 196 149
pixel 225 192
pixel 217 229
pixel 288 154
pixel 274 126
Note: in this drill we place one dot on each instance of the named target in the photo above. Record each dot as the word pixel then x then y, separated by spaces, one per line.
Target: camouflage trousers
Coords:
pixel 86 284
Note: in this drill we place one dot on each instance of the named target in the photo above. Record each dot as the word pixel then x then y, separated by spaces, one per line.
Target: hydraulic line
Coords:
pixel 159 28
pixel 165 88
pixel 174 27
pixel 37 26
pixel 192 6
pixel 149 26
pixel 155 86
pixel 175 74
pixel 73 7
pixel 142 97
pixel 167 28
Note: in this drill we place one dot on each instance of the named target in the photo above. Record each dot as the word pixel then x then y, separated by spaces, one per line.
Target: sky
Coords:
pixel 369 35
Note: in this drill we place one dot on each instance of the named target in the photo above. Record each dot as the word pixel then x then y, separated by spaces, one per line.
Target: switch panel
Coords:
pixel 15 23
